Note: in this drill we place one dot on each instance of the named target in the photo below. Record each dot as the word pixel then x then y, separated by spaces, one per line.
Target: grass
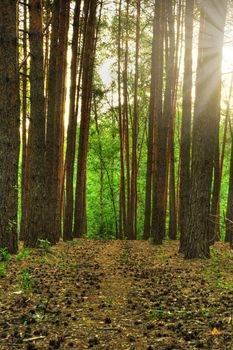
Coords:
pixel 213 273
pixel 26 282
pixel 22 255
pixel 2 271
pixel 44 244
pixel 5 255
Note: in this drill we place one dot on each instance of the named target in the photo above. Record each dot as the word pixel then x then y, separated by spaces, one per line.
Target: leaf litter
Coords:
pixel 117 295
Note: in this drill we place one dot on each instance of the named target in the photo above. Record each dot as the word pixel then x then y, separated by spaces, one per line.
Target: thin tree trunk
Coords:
pixel 88 69
pixel 229 214
pixel 133 193
pixel 215 209
pixel 152 123
pixel 51 202
pixel 24 182
pixel 71 134
pixel 122 207
pixel 159 198
pixel 184 189
pixel 126 120
pixel 55 118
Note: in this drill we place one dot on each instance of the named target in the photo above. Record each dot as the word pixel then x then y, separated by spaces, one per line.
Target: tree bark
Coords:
pixel 35 225
pixel 72 126
pixel 153 115
pixel 88 69
pixel 25 144
pixel 185 144
pixel 133 189
pixel 55 118
pixel 9 125
pixel 206 119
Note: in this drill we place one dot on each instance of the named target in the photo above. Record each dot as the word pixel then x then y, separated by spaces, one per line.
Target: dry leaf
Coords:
pixel 215 331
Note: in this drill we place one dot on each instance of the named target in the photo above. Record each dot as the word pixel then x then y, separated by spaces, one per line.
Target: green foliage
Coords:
pixel 124 255
pixel 2 270
pixel 167 314
pixel 26 282
pixel 5 255
pixel 159 313
pixel 42 260
pixel 213 273
pixel 43 304
pixel 108 302
pixel 44 244
pixel 74 241
pixel 22 255
pixel 205 312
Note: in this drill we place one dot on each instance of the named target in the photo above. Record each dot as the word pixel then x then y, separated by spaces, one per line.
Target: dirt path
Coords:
pixel 117 295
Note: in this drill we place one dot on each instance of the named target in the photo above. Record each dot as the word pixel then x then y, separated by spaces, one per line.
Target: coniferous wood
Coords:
pixel 206 119
pixel 9 125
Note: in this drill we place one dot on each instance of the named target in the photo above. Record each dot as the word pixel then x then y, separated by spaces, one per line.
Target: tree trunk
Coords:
pixel 50 134
pixel 24 173
pixel 122 206
pixel 184 189
pixel 71 134
pixel 9 125
pixel 153 116
pixel 133 193
pixel 158 227
pixel 206 118
pixel 229 215
pixel 55 118
pixel 215 209
pixel 35 225
pixel 88 69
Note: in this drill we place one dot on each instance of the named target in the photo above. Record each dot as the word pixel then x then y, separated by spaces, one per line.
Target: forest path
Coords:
pixel 117 295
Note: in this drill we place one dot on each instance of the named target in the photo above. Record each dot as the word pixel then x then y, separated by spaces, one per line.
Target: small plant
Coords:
pixel 205 312
pixel 42 260
pixel 22 255
pixel 108 302
pixel 166 314
pixel 44 244
pixel 124 254
pixel 43 304
pixel 2 271
pixel 75 241
pixel 225 285
pixel 5 255
pixel 157 314
pixel 26 281
pixel 163 256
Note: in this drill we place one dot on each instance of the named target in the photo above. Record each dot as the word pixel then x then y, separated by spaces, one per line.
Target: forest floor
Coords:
pixel 117 295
